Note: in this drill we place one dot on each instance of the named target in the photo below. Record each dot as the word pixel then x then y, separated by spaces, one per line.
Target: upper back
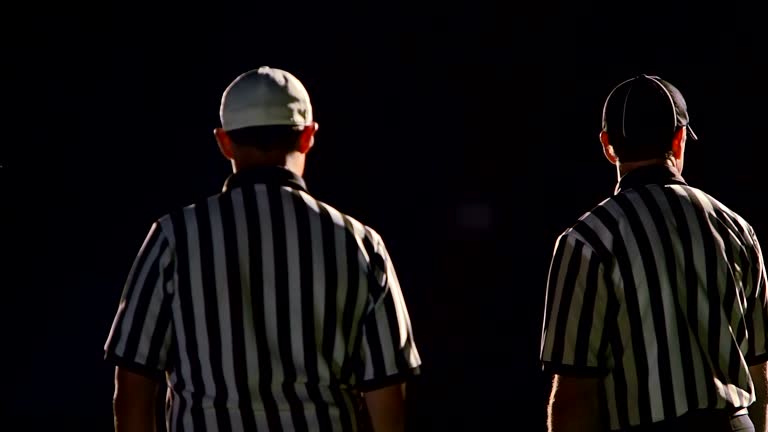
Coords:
pixel 646 222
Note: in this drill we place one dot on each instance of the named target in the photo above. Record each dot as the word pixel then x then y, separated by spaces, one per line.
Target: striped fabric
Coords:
pixel 264 309
pixel 661 290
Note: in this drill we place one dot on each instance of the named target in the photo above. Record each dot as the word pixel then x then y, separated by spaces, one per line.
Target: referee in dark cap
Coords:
pixel 656 309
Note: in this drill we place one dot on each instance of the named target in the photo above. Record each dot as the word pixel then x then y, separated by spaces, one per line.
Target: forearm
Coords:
pixel 572 417
pixel 133 417
pixel 757 411
pixel 386 408
pixel 134 403
pixel 573 406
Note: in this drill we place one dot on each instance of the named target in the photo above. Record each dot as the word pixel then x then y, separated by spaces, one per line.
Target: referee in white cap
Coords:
pixel 261 308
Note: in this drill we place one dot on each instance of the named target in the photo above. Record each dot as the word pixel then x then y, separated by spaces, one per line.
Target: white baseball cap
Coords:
pixel 263 97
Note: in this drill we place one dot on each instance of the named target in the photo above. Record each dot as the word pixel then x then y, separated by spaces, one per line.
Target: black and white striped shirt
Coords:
pixel 661 290
pixel 264 309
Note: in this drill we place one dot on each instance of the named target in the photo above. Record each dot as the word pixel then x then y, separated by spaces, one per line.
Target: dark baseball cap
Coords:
pixel 643 109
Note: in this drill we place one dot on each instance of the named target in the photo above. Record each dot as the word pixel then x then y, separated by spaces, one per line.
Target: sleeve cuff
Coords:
pixel 378 383
pixel 571 370
pixel 758 359
pixel 135 367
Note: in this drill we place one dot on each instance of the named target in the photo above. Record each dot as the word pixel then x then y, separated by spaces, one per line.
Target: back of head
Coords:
pixel 641 116
pixel 265 108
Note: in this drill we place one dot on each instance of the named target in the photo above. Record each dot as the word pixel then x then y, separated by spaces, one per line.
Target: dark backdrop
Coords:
pixel 466 134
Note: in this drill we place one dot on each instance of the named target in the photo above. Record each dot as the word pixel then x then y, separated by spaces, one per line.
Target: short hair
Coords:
pixel 652 146
pixel 267 138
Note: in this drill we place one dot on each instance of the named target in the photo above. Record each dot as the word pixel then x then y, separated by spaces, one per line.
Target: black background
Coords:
pixel 465 133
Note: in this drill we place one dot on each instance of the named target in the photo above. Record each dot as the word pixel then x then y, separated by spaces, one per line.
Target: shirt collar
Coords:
pixel 652 174
pixel 271 175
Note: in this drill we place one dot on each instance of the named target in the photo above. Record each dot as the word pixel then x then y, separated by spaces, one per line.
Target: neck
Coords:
pixel 290 161
pixel 623 168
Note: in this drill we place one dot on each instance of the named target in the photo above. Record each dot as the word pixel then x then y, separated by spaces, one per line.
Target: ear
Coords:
pixel 225 143
pixel 608 148
pixel 678 143
pixel 307 137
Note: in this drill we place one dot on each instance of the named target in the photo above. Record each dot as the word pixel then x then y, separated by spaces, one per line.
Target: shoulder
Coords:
pixel 366 238
pixel 340 218
pixel 593 219
pixel 176 220
pixel 596 232
pixel 719 210
pixel 707 200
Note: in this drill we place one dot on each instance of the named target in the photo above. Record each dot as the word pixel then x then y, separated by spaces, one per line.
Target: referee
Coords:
pixel 262 308
pixel 656 307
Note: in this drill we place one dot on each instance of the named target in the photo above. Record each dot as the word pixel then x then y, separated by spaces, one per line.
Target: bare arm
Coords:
pixel 134 402
pixel 574 405
pixel 757 411
pixel 386 407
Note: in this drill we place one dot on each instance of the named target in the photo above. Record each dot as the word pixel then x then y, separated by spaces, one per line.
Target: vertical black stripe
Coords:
pixel 169 273
pixel 554 274
pixel 620 381
pixel 611 337
pixel 691 280
pixel 374 344
pixel 120 331
pixel 158 337
pixel 612 344
pixel 257 304
pixel 583 334
pixel 752 341
pixel 665 240
pixel 146 290
pixel 331 283
pixel 748 261
pixel 176 389
pixel 401 362
pixel 633 310
pixel 358 366
pixel 309 320
pixel 236 311
pixel 713 294
pixel 331 320
pixel 188 318
pixel 647 257
pixel 601 253
pixel 609 324
pixel 566 295
pixel 737 226
pixel 150 242
pixel 179 421
pixel 282 295
pixel 353 289
pixel 729 295
pixel 593 240
pixel 370 320
pixel 210 301
pixel 755 294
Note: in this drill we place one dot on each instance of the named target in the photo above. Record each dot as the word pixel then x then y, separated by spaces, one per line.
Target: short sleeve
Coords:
pixel 388 351
pixel 140 338
pixel 575 330
pixel 757 308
